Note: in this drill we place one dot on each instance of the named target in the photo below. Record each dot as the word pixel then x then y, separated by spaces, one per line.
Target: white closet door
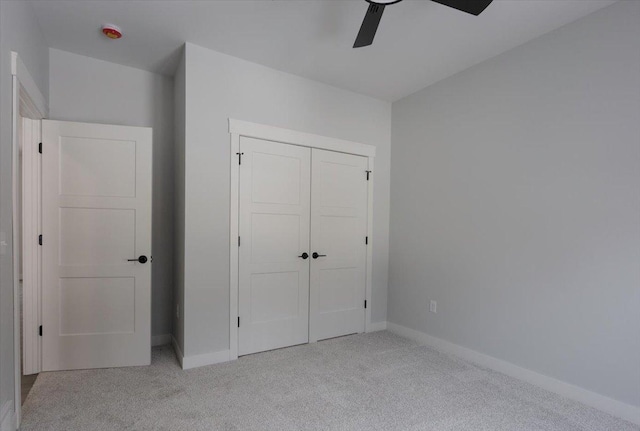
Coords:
pixel 96 214
pixel 338 232
pixel 274 232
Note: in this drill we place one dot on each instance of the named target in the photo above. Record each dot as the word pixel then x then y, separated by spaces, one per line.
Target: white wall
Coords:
pixel 516 205
pixel 19 31
pixel 89 90
pixel 218 87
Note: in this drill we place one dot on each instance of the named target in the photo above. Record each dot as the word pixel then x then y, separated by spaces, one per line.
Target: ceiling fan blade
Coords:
pixel 369 25
pixel 474 7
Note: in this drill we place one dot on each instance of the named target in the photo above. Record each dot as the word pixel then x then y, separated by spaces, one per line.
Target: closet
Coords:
pixel 302 244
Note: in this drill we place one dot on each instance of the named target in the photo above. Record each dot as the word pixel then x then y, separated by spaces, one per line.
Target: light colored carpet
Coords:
pixel 372 381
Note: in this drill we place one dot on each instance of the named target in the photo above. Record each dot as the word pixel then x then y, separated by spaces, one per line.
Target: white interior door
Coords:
pixel 338 236
pixel 274 201
pixel 96 214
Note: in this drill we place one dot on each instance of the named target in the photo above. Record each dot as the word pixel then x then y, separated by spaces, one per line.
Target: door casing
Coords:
pixel 239 128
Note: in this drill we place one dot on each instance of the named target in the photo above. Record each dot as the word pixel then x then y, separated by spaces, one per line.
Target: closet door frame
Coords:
pixel 238 129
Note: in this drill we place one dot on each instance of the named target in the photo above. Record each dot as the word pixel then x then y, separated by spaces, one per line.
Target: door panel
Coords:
pixel 113 229
pixel 274 230
pixel 96 203
pixel 97 305
pixel 77 158
pixel 338 230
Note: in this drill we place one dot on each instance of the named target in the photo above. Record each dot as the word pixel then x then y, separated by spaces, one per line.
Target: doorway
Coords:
pixel 28 108
pixel 301 266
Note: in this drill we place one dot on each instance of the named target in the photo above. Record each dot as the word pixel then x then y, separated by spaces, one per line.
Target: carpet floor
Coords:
pixel 376 381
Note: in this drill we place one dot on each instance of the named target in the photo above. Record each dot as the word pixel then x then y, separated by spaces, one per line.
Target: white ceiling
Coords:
pixel 418 43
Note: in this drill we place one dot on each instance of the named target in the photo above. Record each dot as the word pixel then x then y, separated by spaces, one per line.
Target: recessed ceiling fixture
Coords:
pixel 111 31
pixel 376 7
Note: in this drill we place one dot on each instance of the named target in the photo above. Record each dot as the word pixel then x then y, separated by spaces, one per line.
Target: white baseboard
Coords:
pixel 176 350
pixel 195 361
pixel 8 417
pixel 160 340
pixel 576 393
pixel 187 362
pixel 377 326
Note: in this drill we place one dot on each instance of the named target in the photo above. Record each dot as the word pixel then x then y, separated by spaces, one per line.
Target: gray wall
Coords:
pixel 19 31
pixel 516 205
pixel 219 86
pixel 95 91
pixel 179 189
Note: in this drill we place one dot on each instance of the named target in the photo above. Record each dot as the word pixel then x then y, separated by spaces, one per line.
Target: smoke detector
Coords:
pixel 112 31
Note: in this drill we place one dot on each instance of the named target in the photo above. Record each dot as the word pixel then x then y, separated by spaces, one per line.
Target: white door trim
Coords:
pixel 286 136
pixel 28 101
pixel 369 274
pixel 238 128
pixel 37 104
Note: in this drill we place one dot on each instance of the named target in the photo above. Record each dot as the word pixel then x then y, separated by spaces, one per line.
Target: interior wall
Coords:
pixel 88 90
pixel 515 205
pixel 179 190
pixel 20 32
pixel 219 87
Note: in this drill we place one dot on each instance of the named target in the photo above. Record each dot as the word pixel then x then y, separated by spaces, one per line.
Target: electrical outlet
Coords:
pixel 433 306
pixel 178 311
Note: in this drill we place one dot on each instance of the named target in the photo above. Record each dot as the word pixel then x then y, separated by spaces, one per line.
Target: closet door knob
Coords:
pixel 316 255
pixel 304 255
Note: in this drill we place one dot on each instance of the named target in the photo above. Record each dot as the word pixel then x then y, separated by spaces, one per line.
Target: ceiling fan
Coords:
pixel 376 7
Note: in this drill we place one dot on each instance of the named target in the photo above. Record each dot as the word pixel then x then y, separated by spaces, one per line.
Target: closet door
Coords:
pixel 274 233
pixel 338 231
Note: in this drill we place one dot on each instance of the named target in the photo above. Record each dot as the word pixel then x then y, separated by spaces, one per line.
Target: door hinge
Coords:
pixel 238 241
pixel 39 239
pixel 366 240
pixel 40 330
pixel 40 147
pixel 368 172
pixel 238 321
pixel 239 158
pixel 365 303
